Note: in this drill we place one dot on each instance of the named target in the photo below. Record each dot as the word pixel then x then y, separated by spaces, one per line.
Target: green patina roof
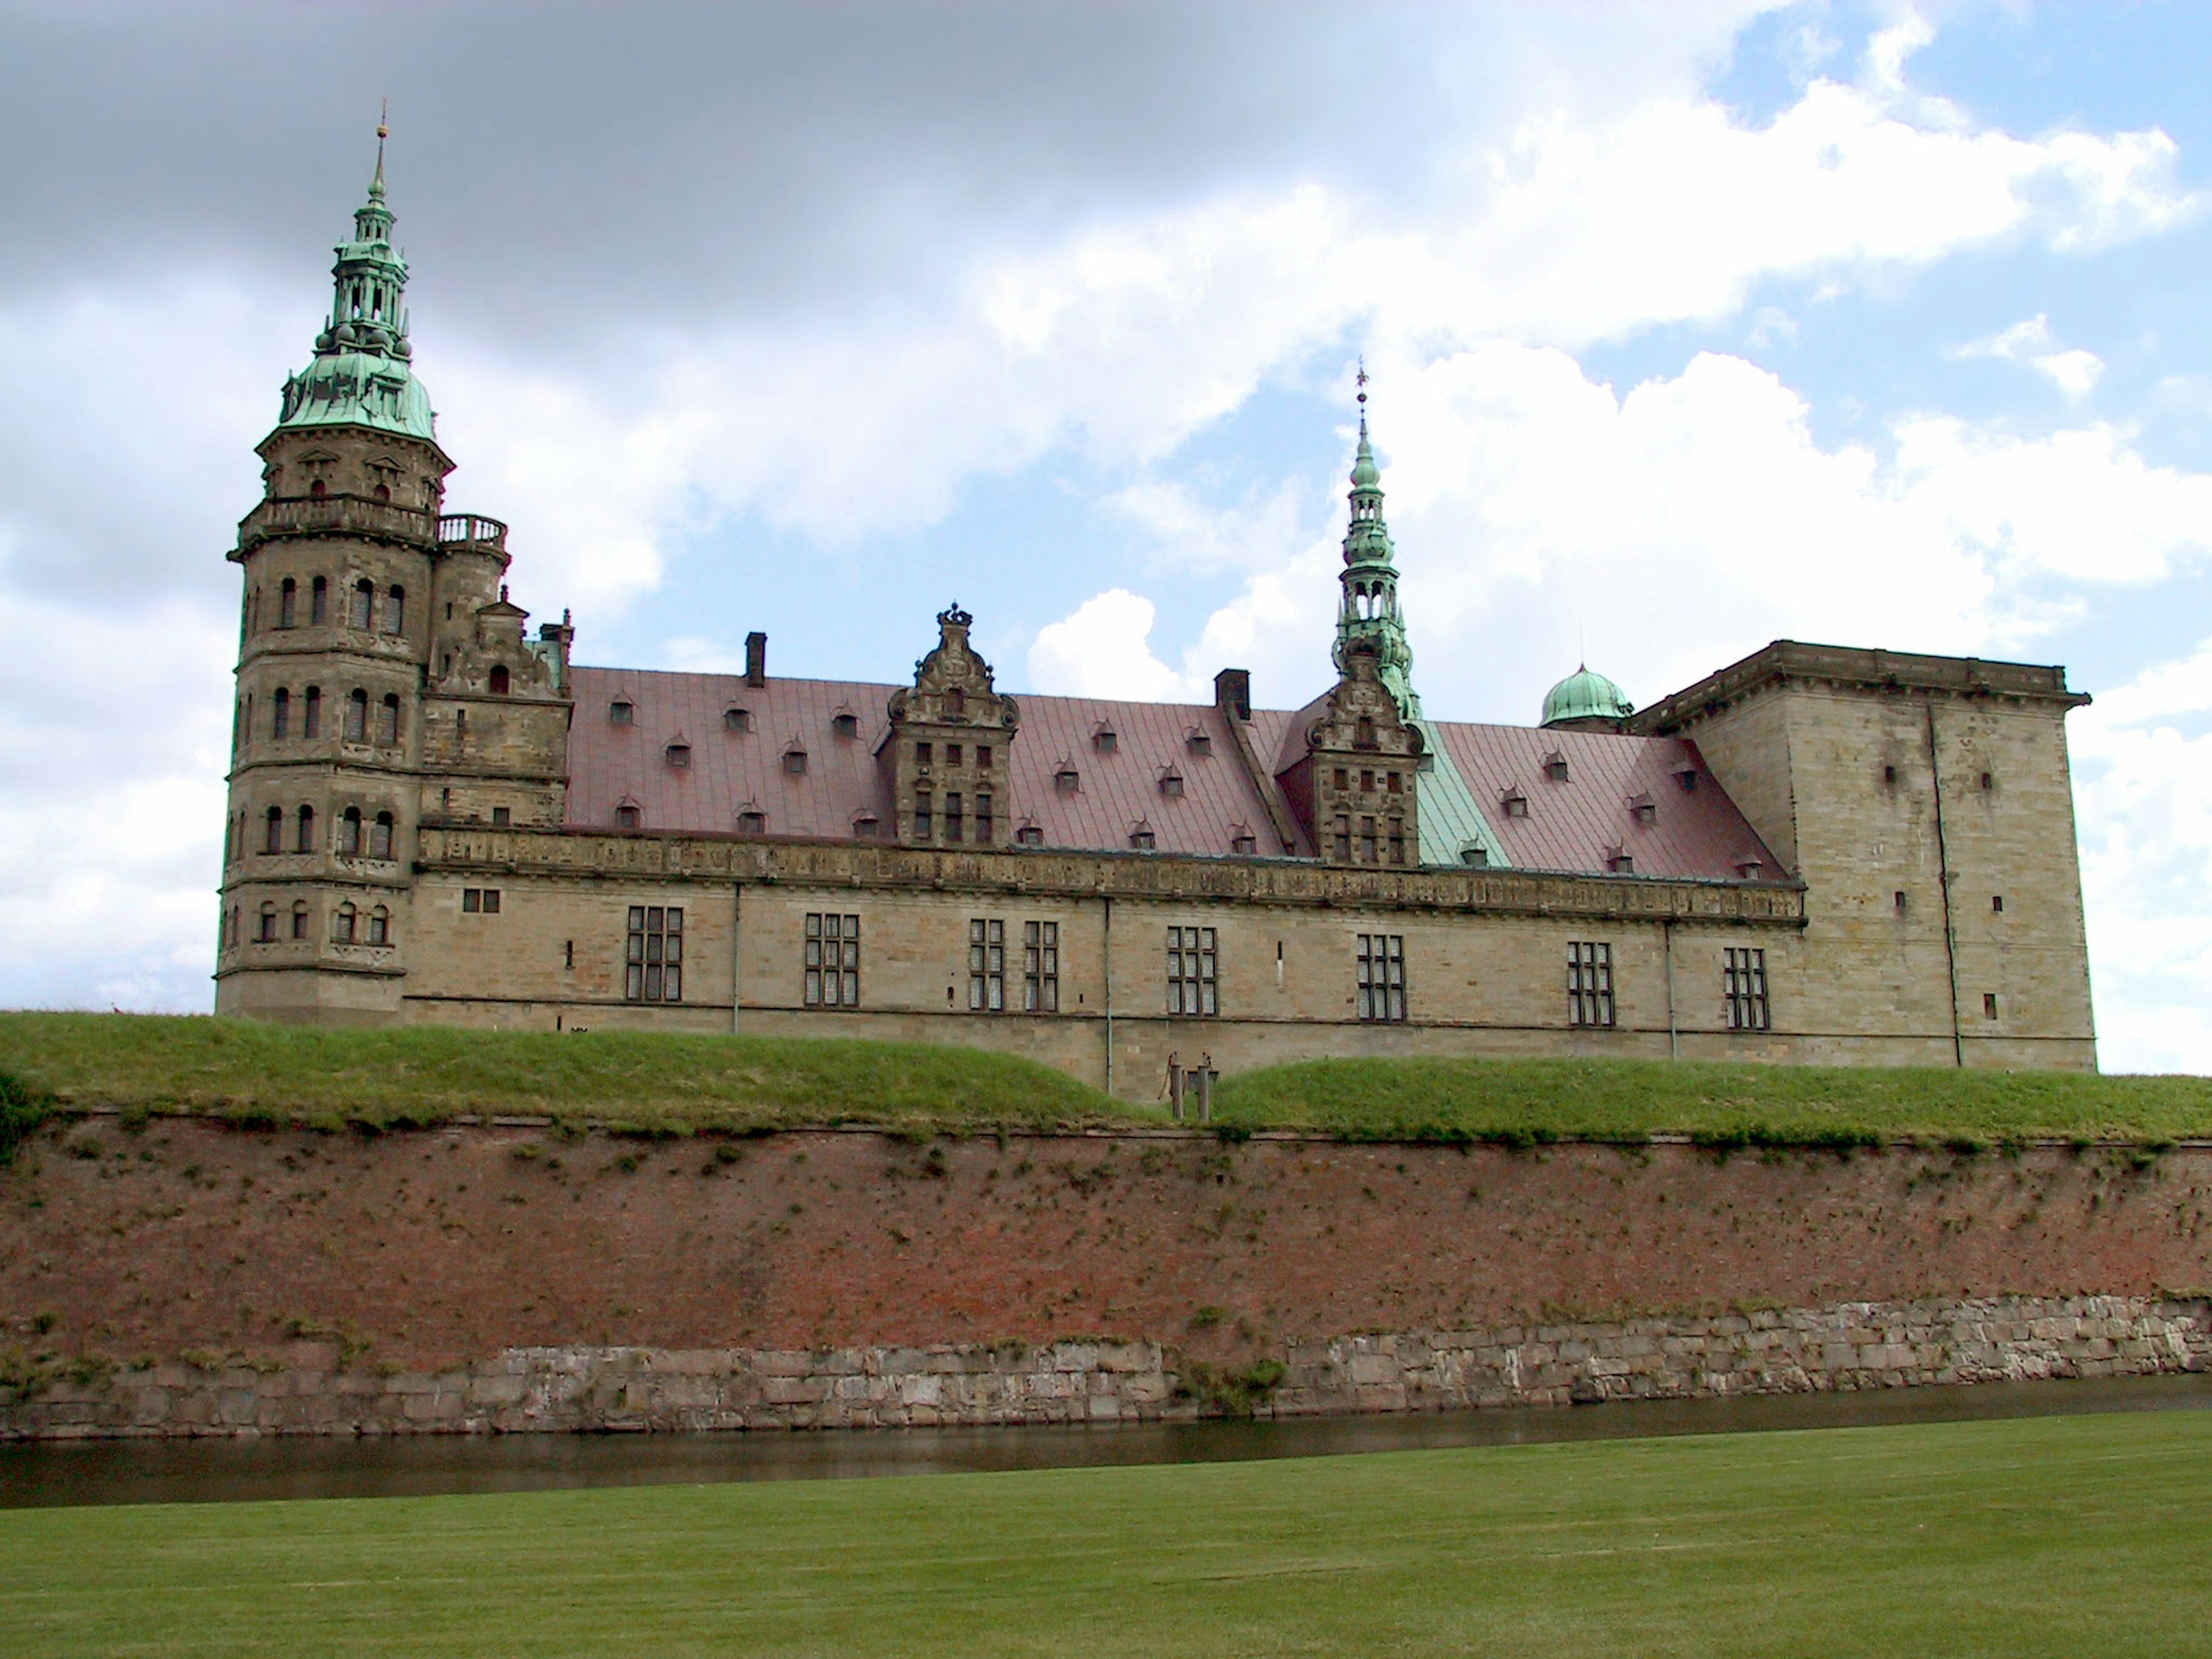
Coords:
pixel 1368 612
pixel 360 373
pixel 1585 696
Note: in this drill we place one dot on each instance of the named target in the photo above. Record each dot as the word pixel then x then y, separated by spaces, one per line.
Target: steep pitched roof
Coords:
pixel 1570 825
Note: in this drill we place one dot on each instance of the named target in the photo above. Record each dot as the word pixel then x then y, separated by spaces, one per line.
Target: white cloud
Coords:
pixel 1103 649
pixel 2074 372
pixel 2143 786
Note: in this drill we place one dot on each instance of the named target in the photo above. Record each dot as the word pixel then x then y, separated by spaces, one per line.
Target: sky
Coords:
pixel 1692 324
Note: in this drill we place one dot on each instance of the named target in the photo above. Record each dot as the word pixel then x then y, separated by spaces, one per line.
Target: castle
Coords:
pixel 1819 854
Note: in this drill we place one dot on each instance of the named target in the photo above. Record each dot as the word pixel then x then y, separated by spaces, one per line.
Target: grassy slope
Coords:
pixel 241 1068
pixel 2057 1535
pixel 1603 1098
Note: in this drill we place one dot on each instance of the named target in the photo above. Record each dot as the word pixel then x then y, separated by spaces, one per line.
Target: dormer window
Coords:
pixel 628 816
pixel 794 760
pixel 1555 767
pixel 1198 740
pixel 621 712
pixel 1619 862
pixel 1474 854
pixel 1687 777
pixel 1171 784
pixel 1028 833
pixel 845 724
pixel 1515 803
pixel 1067 779
pixel 737 720
pixel 751 821
pixel 1103 738
pixel 1141 837
pixel 865 826
pixel 1749 869
pixel 1643 808
pixel 679 755
pixel 1242 840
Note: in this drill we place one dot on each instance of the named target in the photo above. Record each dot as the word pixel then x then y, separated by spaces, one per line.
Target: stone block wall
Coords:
pixel 1851 1345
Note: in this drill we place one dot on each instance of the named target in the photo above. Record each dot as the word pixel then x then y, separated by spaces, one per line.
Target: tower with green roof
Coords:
pixel 383 677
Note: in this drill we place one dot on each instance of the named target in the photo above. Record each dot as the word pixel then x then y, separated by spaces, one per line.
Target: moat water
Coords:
pixel 234 1470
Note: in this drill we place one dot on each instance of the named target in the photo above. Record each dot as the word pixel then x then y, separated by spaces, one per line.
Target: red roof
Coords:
pixel 1193 797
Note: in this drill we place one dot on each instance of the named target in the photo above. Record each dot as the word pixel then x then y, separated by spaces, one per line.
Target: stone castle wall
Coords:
pixel 600 1390
pixel 187 1276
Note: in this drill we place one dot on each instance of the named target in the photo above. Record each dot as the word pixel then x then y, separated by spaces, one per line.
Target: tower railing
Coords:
pixel 473 527
pixel 323 515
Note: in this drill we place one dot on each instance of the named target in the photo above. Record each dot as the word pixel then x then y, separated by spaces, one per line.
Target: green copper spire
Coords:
pixel 359 375
pixel 1369 608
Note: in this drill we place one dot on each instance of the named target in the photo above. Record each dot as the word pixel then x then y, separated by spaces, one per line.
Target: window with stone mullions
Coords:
pixel 1192 972
pixel 986 966
pixel 1041 967
pixel 1382 981
pixel 653 965
pixel 833 961
pixel 1589 984
pixel 1743 990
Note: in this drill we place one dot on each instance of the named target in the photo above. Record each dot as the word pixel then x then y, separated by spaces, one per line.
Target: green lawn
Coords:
pixel 244 1069
pixel 2061 1535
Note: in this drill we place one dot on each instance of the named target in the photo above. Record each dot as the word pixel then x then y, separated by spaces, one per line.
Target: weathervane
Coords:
pixel 1362 380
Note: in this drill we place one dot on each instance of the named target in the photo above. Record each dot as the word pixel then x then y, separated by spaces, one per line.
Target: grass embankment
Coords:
pixel 651 1082
pixel 1745 1105
pixel 2058 1536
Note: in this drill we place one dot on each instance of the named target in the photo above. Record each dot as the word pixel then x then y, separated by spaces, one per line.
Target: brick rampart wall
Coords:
pixel 188 1276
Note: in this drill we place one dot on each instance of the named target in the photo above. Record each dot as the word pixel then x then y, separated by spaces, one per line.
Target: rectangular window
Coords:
pixel 982 758
pixel 986 966
pixel 952 817
pixel 1382 976
pixel 480 901
pixel 921 824
pixel 985 820
pixel 1192 972
pixel 1743 990
pixel 1040 966
pixel 953 754
pixel 654 961
pixel 833 961
pixel 1589 984
pixel 1367 840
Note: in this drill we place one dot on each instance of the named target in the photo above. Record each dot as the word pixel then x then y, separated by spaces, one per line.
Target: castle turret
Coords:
pixel 1368 613
pixel 356 590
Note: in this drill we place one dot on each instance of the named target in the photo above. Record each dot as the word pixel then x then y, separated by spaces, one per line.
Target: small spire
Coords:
pixel 1365 475
pixel 383 132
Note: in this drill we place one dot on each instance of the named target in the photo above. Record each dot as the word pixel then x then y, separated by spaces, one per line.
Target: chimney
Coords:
pixel 755 659
pixel 1232 693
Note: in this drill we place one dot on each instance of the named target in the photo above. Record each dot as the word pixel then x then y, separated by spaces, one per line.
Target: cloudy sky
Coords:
pixel 1692 325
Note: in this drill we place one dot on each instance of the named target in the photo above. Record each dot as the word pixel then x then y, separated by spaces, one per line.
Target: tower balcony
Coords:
pixel 471 531
pixel 336 515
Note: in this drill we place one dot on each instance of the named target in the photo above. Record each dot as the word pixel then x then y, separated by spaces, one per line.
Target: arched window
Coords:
pixel 265 932
pixel 384 492
pixel 387 720
pixel 342 924
pixel 300 919
pixel 349 831
pixel 319 602
pixel 499 679
pixel 380 836
pixel 306 842
pixel 279 713
pixel 275 840
pixel 287 598
pixel 364 602
pixel 380 926
pixel 357 725
pixel 395 610
pixel 311 713
pixel 317 489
